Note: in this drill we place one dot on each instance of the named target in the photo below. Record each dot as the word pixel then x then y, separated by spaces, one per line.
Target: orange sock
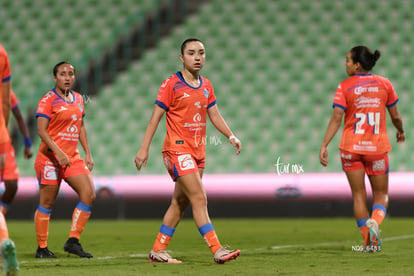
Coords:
pixel 163 238
pixel 378 213
pixel 365 234
pixel 4 232
pixel 42 218
pixel 210 237
pixel 80 217
pixel 361 223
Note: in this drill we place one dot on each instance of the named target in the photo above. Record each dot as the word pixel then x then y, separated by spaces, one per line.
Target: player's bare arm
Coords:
pixel 397 122
pixel 83 139
pixel 24 131
pixel 6 101
pixel 333 126
pixel 220 124
pixel 142 154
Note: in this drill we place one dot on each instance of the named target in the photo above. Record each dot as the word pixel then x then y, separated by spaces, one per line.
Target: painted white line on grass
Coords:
pixel 396 238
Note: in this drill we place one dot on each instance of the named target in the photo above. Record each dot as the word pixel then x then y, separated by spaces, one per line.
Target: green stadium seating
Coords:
pixel 275 66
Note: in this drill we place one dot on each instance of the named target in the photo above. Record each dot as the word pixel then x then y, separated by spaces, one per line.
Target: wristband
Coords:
pixel 27 142
pixel 236 140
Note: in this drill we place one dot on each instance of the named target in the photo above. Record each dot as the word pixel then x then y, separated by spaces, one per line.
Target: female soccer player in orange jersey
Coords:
pixel 187 98
pixel 364 98
pixel 60 126
pixel 8 249
pixel 10 172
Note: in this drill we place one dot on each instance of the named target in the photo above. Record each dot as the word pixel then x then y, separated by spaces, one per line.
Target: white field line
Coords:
pixel 322 244
pixel 276 247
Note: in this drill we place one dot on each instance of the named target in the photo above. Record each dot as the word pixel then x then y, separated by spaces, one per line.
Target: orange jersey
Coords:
pixel 364 98
pixel 65 120
pixel 186 109
pixel 5 76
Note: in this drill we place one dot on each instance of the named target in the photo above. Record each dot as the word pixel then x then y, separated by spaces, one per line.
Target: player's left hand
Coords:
pixel 236 143
pixel 89 161
pixel 400 137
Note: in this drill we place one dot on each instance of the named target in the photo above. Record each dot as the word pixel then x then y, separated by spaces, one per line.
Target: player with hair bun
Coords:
pixel 363 99
pixel 187 98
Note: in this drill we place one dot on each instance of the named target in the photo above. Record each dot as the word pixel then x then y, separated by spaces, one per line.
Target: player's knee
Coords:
pixel 181 203
pixel 47 203
pixel 199 200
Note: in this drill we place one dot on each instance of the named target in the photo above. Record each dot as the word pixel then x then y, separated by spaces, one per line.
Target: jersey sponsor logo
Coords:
pixel 72 129
pixel 359 90
pixel 346 156
pixel 50 173
pixel 197 118
pixel 186 162
pixel 378 165
pixel 367 102
pixel 206 93
pixel 365 148
pixel 80 107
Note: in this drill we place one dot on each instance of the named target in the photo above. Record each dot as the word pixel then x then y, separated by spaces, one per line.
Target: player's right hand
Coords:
pixel 141 158
pixel 323 156
pixel 63 159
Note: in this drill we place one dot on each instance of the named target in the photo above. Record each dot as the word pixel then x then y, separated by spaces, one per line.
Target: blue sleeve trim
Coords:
pixel 15 107
pixel 340 106
pixel 42 115
pixel 212 104
pixel 6 79
pixel 162 105
pixel 392 104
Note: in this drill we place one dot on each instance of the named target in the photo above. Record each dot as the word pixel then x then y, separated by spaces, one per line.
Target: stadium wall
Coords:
pixel 240 195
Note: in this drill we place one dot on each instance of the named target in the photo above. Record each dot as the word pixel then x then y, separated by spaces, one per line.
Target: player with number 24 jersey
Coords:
pixel 364 97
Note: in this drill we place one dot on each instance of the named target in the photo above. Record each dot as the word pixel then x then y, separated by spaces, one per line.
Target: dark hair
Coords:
pixel 55 69
pixel 188 40
pixel 365 57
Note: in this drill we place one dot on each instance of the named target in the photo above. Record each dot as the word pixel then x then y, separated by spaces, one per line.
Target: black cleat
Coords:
pixel 73 246
pixel 44 253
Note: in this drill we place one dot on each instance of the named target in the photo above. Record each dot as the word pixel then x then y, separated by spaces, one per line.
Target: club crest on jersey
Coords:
pixel 206 93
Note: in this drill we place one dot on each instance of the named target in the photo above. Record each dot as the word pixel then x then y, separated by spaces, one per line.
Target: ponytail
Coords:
pixel 365 57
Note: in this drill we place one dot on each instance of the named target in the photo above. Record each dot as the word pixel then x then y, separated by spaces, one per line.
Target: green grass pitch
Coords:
pixel 269 247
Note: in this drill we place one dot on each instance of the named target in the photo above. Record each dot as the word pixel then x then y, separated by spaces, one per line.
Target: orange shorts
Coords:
pixel 179 164
pixel 373 164
pixel 10 171
pixel 49 172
